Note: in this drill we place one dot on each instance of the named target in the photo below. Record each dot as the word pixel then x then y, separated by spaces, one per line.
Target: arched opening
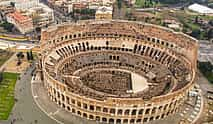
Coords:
pixel 104 120
pixel 111 121
pixel 157 117
pixel 126 112
pixel 68 108
pixel 97 118
pixel 63 105
pixel 73 110
pixel 132 121
pixel 120 111
pixel 147 111
pixel 153 110
pixel 84 115
pixel 91 117
pixel 79 113
pixel 112 111
pixel 125 121
pixel 140 112
pixel 118 121
pixel 105 110
pixel 138 121
pixel 151 119
pixel 145 119
pixel 134 112
pixel 162 116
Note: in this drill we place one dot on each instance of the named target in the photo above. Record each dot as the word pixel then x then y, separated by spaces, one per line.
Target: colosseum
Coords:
pixel 117 72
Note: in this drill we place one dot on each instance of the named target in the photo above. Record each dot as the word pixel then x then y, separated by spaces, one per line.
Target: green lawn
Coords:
pixel 7 87
pixel 139 3
pixel 145 3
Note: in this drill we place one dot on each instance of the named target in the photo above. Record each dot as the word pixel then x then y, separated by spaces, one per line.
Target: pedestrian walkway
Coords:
pixel 50 108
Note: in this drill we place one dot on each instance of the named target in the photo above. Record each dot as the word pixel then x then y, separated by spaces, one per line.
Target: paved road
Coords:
pixel 25 110
pixel 18 42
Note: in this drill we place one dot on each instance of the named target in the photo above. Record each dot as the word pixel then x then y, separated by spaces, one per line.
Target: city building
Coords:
pixel 6 9
pixel 104 12
pixel 41 15
pixel 67 6
pixel 173 24
pixel 201 9
pixel 23 23
pixel 205 53
pixel 25 4
pixel 116 71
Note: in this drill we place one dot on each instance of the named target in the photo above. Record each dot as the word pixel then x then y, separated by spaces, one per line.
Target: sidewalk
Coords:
pixel 52 109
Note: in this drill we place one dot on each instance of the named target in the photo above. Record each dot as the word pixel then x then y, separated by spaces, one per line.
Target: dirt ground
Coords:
pixel 12 65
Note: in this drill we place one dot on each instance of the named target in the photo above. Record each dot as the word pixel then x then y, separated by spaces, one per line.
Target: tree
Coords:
pixel 196 33
pixel 1 77
pixel 196 19
pixel 210 33
pixel 211 22
pixel 12 4
pixel 19 62
pixel 20 55
pixel 28 56
pixel 7 26
pixel 31 55
pixel 119 3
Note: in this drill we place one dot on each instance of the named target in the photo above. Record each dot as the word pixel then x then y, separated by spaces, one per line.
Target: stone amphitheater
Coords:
pixel 117 72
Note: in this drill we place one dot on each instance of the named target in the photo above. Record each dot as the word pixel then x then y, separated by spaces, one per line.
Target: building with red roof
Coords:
pixel 23 23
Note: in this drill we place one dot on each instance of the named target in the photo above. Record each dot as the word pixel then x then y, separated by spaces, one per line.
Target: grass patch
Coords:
pixel 139 3
pixel 145 3
pixel 7 87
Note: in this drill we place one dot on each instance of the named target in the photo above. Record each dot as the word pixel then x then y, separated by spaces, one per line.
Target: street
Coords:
pixel 25 110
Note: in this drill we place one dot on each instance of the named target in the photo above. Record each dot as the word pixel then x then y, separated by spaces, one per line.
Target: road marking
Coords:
pixel 59 122
pixel 56 111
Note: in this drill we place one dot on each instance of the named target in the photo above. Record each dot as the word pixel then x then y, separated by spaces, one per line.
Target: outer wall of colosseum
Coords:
pixel 66 52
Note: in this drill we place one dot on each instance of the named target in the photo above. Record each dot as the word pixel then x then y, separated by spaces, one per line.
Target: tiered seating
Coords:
pixel 112 82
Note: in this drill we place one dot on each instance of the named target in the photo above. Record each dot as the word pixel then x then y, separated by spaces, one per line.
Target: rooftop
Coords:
pixel 104 9
pixel 18 16
pixel 200 9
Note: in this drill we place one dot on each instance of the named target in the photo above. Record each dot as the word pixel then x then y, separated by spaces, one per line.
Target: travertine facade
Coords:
pixel 88 69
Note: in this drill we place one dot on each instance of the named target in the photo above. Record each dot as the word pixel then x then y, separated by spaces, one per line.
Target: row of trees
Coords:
pixel 7 26
pixel 82 14
pixel 1 77
pixel 29 55
pixel 207 69
pixel 20 56
pixel 179 1
pixel 119 4
pixel 148 3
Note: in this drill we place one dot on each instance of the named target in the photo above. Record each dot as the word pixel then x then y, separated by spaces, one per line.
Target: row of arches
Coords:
pixel 143 50
pixel 66 101
pixel 85 35
pixel 115 120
